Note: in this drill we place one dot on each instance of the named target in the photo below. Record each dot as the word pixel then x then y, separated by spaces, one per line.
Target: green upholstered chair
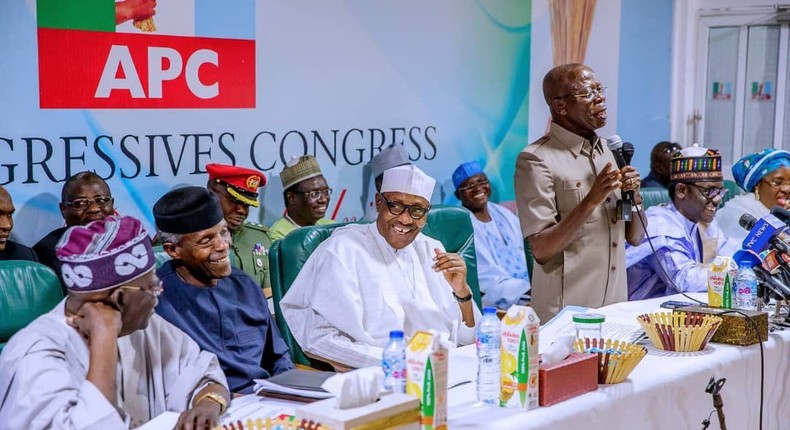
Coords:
pixel 654 196
pixel 450 225
pixel 160 255
pixel 27 290
pixel 732 190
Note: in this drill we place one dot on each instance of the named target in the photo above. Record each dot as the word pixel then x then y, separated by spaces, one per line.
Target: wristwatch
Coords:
pixel 223 404
pixel 462 299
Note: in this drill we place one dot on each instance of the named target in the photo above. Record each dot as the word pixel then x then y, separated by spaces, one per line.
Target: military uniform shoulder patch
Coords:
pixel 256 226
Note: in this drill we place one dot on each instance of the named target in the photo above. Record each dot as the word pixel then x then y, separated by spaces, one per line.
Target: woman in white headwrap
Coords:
pixel 765 176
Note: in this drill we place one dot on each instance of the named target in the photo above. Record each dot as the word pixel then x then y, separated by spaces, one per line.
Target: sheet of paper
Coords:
pixel 264 384
pixel 241 409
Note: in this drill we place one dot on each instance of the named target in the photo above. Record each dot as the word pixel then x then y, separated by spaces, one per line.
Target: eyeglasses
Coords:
pixel 710 193
pixel 778 183
pixel 478 184
pixel 589 96
pixel 314 195
pixel 155 289
pixel 397 208
pixel 82 204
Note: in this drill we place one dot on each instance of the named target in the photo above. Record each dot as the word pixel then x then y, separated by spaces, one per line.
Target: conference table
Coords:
pixel 665 391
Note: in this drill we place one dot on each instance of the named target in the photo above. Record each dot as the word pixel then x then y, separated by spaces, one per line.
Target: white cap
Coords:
pixel 408 179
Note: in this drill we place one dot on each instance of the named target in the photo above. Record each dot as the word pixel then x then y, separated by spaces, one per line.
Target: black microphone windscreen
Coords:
pixel 747 221
pixel 628 152
pixel 781 213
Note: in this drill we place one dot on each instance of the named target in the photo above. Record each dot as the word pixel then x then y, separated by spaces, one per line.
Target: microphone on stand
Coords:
pixel 622 155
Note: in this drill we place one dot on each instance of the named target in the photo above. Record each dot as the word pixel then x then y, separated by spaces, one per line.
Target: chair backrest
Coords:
pixel 27 290
pixel 160 255
pixel 450 225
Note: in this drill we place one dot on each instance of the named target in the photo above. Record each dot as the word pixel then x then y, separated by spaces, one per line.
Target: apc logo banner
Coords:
pixel 96 54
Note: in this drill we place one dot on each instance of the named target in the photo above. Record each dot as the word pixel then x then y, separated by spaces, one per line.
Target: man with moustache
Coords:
pixel 306 196
pixel 368 279
pixel 218 305
pixel 501 261
pixel 101 359
pixel 237 190
pixel 685 235
pixel 85 197
pixel 567 186
pixel 10 250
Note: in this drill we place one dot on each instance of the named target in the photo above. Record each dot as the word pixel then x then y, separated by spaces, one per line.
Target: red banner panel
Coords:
pixel 101 70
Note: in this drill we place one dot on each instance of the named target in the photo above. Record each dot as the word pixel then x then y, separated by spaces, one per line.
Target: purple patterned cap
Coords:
pixel 104 254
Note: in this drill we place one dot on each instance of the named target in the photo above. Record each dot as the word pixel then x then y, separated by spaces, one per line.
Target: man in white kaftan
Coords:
pixel 42 376
pixel 369 279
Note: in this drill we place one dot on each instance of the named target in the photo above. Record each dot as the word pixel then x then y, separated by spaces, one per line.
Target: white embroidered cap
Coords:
pixel 408 179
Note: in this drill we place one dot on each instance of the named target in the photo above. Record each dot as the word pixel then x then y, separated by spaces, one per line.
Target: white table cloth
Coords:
pixel 665 391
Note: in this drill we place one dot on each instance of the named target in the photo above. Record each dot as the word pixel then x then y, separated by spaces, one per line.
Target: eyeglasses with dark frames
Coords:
pixel 710 193
pixel 589 96
pixel 397 208
pixel 82 204
pixel 315 194
pixel 472 186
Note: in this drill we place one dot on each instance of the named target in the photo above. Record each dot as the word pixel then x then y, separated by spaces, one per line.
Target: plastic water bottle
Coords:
pixel 488 376
pixel 745 287
pixel 393 362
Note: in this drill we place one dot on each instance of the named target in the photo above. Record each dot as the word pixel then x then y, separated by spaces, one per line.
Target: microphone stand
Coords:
pixel 714 388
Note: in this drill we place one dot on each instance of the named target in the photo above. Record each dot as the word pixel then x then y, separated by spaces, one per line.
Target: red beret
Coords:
pixel 241 183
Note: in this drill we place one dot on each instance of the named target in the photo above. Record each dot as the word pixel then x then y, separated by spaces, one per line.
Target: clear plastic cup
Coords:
pixel 588 326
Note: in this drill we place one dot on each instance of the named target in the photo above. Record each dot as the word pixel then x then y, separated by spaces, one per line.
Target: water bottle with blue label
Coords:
pixel 393 362
pixel 745 287
pixel 488 371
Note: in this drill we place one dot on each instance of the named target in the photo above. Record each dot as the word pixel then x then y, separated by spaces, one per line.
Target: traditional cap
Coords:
pixel 187 210
pixel 389 157
pixel 104 254
pixel 241 183
pixel 696 164
pixel 751 169
pixel 298 169
pixel 466 171
pixel 408 179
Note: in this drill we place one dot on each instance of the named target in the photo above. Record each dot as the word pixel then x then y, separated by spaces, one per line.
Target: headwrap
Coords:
pixel 696 164
pixel 104 254
pixel 389 157
pixel 241 183
pixel 187 210
pixel 408 179
pixel 465 171
pixel 751 169
pixel 298 169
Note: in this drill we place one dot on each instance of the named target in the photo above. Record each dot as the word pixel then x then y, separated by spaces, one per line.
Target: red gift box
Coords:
pixel 574 376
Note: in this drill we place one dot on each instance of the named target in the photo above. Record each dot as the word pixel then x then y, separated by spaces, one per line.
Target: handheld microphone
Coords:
pixel 763 233
pixel 626 203
pixel 781 213
pixel 776 286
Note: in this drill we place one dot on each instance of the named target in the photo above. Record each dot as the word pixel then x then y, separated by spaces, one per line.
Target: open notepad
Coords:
pixel 294 384
pixel 562 325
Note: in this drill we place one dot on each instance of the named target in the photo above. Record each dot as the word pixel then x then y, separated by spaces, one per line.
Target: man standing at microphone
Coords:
pixel 567 187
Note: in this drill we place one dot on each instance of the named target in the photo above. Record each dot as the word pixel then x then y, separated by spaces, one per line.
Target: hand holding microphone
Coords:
pixel 630 180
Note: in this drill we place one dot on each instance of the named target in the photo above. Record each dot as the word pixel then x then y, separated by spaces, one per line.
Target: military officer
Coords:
pixel 237 189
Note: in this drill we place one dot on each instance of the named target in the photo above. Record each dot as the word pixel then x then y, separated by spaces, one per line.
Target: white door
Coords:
pixel 741 83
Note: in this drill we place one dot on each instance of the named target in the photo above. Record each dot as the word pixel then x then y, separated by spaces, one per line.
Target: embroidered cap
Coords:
pixel 298 169
pixel 465 171
pixel 408 179
pixel 187 210
pixel 389 157
pixel 104 254
pixel 696 164
pixel 241 183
